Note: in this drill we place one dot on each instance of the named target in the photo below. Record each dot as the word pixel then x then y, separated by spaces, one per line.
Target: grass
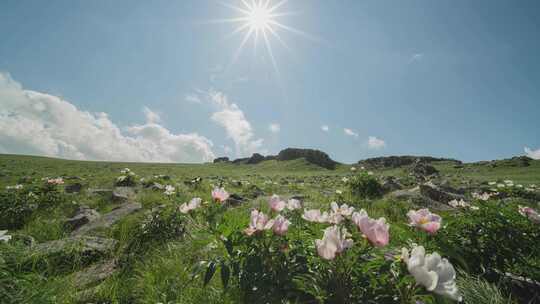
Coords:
pixel 162 272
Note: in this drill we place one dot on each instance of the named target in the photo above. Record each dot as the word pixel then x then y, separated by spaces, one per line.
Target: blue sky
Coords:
pixel 445 78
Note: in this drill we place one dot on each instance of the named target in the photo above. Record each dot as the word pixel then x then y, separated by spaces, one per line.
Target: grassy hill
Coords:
pixel 136 247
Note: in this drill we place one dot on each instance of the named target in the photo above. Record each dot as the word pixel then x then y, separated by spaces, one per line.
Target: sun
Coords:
pixel 258 19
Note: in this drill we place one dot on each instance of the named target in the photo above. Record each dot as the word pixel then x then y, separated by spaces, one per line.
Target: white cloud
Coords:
pixel 534 154
pixel 350 132
pixel 416 57
pixel 42 124
pixel 226 149
pixel 274 127
pixel 236 125
pixel 192 98
pixel 151 116
pixel 376 143
pixel 325 128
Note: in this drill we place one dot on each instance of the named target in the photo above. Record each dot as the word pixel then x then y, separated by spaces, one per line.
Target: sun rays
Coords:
pixel 258 20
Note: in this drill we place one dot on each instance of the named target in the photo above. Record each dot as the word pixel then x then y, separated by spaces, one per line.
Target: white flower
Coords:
pixel 314 215
pixel 339 192
pixel 370 173
pixel 436 274
pixel 276 203
pixel 169 190
pixel 334 242
pixel 492 183
pixel 16 187
pixel 343 210
pixel 459 204
pixel 121 178
pixel 345 179
pixel 125 171
pixel 293 204
pixel 483 197
pixel 192 205
pixel 4 237
pixel 508 182
pixel 353 169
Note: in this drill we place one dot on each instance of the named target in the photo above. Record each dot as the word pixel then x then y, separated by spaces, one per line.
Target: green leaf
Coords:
pixel 209 272
pixel 225 275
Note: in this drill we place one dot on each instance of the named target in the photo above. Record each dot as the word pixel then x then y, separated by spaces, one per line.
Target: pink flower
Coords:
pixel 55 181
pixel 276 204
pixel 425 220
pixel 376 231
pixel 530 213
pixel 258 222
pixel 334 242
pixel 314 215
pixel 220 195
pixel 281 225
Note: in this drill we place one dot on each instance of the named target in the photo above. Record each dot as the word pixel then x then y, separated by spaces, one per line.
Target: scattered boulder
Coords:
pixel 155 186
pixel 390 183
pixel 123 194
pixel 221 160
pixel 414 197
pixel 439 194
pixel 106 193
pixel 95 273
pixel 421 170
pixel 108 219
pixel 253 191
pixel 85 246
pixel 83 216
pixel 73 188
pixel 400 161
pixel 235 200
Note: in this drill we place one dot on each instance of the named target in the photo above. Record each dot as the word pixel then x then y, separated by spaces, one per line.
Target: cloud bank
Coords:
pixel 376 143
pixel 236 125
pixel 350 132
pixel 534 154
pixel 42 124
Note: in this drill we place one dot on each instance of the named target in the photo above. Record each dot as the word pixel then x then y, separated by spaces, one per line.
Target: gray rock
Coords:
pixel 83 216
pixel 414 197
pixel 390 184
pixel 108 219
pixel 439 194
pixel 95 273
pixel 422 170
pixel 86 246
pixel 73 188
pixel 235 200
pixel 106 193
pixel 123 194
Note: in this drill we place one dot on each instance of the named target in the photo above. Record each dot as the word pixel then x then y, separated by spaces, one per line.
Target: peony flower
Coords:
pixel 192 205
pixel 376 231
pixel 334 242
pixel 169 190
pixel 293 204
pixel 483 197
pixel 529 213
pixel 353 169
pixel 281 225
pixel 4 237
pixel 459 204
pixel 425 220
pixel 436 274
pixel 16 187
pixel 276 203
pixel 345 179
pixel 314 215
pixel 343 210
pixel 258 222
pixel 220 195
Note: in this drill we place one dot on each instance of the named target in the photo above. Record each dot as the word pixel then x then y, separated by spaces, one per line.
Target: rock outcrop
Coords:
pixel 400 161
pixel 313 156
pixel 221 160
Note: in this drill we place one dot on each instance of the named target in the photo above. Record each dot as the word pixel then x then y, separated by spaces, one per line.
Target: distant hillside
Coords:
pixel 312 156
